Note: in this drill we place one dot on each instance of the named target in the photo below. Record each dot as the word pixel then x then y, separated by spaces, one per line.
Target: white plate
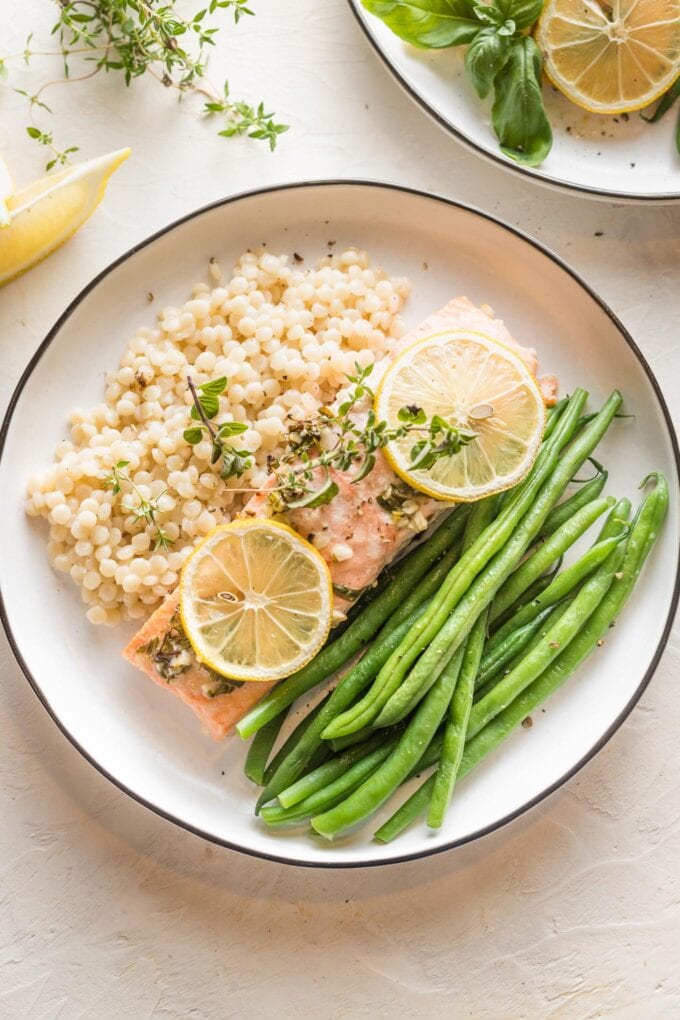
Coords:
pixel 147 742
pixel 623 159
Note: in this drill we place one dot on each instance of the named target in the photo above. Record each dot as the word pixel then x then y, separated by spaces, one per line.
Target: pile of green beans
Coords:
pixel 478 626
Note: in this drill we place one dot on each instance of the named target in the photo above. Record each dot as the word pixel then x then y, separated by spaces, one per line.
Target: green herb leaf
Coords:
pixel 214 387
pixel 429 24
pixel 318 497
pixel 412 414
pixel 193 436
pixel 523 12
pixel 231 428
pixel 518 114
pixel 485 57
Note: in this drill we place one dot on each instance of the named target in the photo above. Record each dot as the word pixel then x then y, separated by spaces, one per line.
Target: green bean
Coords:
pixel 458 581
pixel 341 743
pixel 406 575
pixel 539 561
pixel 290 766
pixel 335 792
pixel 617 520
pixel 630 558
pixel 288 744
pixel 590 491
pixel 484 587
pixel 388 776
pixel 331 770
pixel 456 723
pixel 552 415
pixel 261 747
pixel 498 653
pixel 546 648
pixel 532 592
pixel 563 584
pixel 410 810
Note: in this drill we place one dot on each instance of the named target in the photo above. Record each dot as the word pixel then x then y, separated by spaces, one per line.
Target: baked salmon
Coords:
pixel 358 533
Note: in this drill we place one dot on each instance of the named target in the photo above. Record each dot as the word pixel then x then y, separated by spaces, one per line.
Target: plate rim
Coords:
pixel 282 858
pixel 496 158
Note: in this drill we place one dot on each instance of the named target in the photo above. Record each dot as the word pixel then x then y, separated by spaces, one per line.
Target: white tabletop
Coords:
pixel 109 911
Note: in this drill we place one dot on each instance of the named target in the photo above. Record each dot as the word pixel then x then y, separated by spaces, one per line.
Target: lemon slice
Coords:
pixel 6 189
pixel 46 213
pixel 611 57
pixel 476 384
pixel 256 600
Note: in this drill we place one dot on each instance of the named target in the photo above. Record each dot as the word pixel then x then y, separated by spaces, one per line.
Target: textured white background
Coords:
pixel 107 911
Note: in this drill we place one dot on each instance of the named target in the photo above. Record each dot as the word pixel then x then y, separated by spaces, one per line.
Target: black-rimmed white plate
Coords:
pixel 148 743
pixel 621 159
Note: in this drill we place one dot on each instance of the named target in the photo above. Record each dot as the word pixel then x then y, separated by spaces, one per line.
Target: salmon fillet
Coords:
pixel 358 533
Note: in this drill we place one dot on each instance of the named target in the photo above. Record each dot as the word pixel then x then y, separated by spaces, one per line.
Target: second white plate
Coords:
pixel 599 157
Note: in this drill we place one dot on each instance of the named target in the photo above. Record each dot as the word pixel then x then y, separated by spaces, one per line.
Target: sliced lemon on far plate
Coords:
pixel 475 384
pixel 46 213
pixel 610 57
pixel 256 600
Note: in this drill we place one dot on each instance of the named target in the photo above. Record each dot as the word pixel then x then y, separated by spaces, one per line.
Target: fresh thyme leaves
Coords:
pixel 331 440
pixel 232 462
pixel 137 37
pixel 339 441
pixel 146 510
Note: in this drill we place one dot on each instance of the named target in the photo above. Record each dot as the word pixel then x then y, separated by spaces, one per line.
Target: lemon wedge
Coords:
pixel 611 57
pixel 46 213
pixel 473 383
pixel 256 600
pixel 6 189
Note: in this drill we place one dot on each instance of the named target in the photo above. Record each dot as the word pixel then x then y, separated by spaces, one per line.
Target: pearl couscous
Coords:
pixel 285 336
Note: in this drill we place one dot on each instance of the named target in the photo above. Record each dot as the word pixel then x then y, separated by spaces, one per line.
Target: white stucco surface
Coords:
pixel 107 911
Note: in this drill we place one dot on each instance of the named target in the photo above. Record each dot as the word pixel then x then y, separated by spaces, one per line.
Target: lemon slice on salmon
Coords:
pixel 476 384
pixel 6 189
pixel 610 57
pixel 256 600
pixel 46 213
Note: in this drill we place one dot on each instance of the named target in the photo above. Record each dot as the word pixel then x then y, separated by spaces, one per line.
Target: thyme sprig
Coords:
pixel 339 440
pixel 332 440
pixel 138 37
pixel 144 509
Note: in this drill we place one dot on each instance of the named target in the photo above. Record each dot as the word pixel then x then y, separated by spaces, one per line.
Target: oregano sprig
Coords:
pixel 233 463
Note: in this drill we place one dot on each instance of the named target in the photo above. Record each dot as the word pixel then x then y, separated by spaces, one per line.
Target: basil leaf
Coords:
pixel 523 12
pixel 486 55
pixel 429 24
pixel 518 115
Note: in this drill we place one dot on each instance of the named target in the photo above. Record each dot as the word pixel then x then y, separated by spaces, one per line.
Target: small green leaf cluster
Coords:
pixel 206 397
pixel 339 440
pixel 146 510
pixel 501 57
